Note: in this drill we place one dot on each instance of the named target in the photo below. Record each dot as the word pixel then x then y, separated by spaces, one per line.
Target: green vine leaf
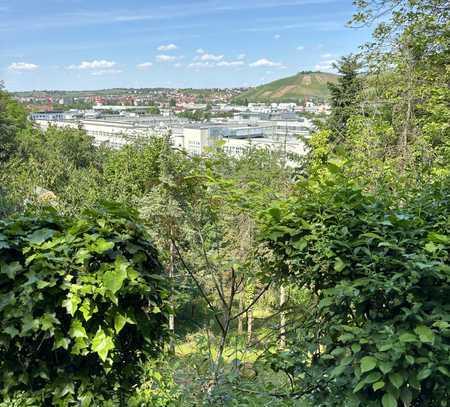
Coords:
pixel 102 344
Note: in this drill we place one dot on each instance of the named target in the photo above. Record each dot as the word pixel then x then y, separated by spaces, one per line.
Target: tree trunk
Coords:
pixel 241 317
pixel 249 325
pixel 282 317
pixel 172 314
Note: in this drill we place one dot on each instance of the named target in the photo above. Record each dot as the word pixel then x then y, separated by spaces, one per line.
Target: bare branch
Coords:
pixel 199 286
pixel 255 300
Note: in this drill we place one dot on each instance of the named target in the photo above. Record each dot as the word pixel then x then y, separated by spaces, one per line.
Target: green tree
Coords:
pixel 344 96
pixel 12 119
pixel 406 62
pixel 378 328
pixel 154 110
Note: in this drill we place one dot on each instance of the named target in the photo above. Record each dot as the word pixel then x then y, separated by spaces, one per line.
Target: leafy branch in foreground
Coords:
pixel 81 303
pixel 381 275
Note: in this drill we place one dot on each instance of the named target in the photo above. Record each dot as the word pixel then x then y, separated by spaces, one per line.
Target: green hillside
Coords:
pixel 291 89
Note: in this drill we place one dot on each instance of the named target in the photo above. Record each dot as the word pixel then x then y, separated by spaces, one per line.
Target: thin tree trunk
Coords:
pixel 172 314
pixel 282 317
pixel 409 115
pixel 241 309
pixel 249 325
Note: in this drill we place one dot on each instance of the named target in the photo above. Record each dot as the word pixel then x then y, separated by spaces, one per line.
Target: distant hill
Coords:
pixel 292 88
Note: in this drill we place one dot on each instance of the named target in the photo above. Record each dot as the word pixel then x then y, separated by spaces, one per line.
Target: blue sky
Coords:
pixel 81 44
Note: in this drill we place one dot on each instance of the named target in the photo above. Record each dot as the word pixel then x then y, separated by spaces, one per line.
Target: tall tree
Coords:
pixel 344 96
pixel 408 76
pixel 12 118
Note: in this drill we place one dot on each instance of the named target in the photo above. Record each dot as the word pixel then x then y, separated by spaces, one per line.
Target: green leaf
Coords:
pixel 29 324
pixel 373 377
pixel 113 279
pixel 11 331
pixel 275 212
pixel 101 245
pixel 368 363
pixel 77 329
pixel 339 265
pixel 437 238
pixel 40 236
pixel 408 337
pixel 444 370
pixel 61 342
pixel 6 300
pixel 385 347
pixel 48 322
pixel 441 324
pixel 378 385
pixel 80 346
pixel 86 400
pixel 425 334
pixel 423 374
pixel 86 309
pixel 11 269
pixel 300 244
pixel 71 304
pixel 359 386
pixel 119 322
pixel 102 344
pixel 430 247
pixel 385 367
pixel 356 347
pixel 338 370
pixel 396 379
pixel 388 400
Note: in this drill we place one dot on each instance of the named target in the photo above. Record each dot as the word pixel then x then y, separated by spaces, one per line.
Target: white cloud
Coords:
pixel 96 64
pixel 241 56
pixel 168 47
pixel 211 57
pixel 178 65
pixel 326 65
pixel 300 48
pixel 265 62
pixel 201 65
pixel 230 63
pixel 23 66
pixel 215 64
pixel 144 65
pixel 277 36
pixel 326 56
pixel 200 51
pixel 165 58
pixel 102 72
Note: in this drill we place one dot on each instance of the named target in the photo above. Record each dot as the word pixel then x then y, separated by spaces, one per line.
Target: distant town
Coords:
pixel 194 120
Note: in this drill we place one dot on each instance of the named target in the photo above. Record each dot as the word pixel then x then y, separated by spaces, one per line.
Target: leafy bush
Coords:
pixel 380 272
pixel 81 302
pixel 157 387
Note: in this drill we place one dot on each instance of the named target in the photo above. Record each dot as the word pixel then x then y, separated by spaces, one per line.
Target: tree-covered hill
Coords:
pixel 292 89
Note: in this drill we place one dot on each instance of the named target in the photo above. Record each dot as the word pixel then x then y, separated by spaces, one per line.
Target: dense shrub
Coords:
pixel 380 271
pixel 82 301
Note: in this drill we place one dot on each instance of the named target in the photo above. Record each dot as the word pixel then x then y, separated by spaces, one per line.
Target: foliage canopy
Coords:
pixel 81 302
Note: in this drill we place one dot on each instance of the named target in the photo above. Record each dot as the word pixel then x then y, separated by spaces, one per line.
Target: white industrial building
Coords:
pixel 52 116
pixel 196 139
